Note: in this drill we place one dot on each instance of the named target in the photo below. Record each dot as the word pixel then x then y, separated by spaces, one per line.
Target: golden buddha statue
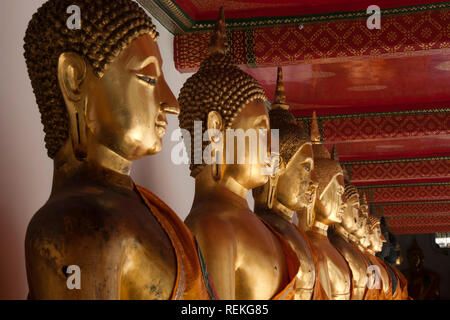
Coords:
pixel 246 259
pixel 360 238
pixel 103 99
pixel 361 235
pixel 384 256
pixel 334 272
pixel 341 236
pixel 376 243
pixel 423 283
pixel 289 190
pixel 395 258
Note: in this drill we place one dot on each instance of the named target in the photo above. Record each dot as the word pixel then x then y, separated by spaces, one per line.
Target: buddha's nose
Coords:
pixel 169 103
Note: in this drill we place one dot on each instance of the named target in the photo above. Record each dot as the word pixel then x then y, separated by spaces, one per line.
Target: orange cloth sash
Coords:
pixel 192 282
pixel 403 284
pixel 388 295
pixel 380 263
pixel 372 294
pixel 398 290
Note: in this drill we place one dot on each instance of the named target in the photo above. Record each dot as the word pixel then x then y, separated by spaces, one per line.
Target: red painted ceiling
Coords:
pixel 392 84
pixel 240 9
pixel 430 146
pixel 365 85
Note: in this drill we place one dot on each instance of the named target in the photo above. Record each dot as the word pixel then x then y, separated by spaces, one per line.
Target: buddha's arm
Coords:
pixel 49 277
pixel 217 243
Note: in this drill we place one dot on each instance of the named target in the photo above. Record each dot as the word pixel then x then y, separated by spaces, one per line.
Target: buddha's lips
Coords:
pixel 161 126
pixel 161 123
pixel 161 129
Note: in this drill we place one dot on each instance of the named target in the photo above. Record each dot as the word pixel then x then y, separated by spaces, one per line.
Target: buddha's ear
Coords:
pixel 278 167
pixel 214 128
pixel 71 75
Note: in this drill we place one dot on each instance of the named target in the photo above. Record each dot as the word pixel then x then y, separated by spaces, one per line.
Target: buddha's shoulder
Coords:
pixel 92 213
pixel 211 228
pixel 225 218
pixel 343 246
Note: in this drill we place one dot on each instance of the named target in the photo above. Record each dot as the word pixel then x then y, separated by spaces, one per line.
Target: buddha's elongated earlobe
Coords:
pixel 217 167
pixel 72 72
pixel 273 182
pixel 310 213
pixel 78 131
pixel 215 126
pixel 278 166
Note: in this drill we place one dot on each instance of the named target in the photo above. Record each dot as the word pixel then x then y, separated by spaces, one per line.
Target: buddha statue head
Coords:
pixel 350 218
pixel 291 185
pixel 362 233
pixel 364 206
pixel 220 99
pixel 375 235
pixel 100 87
pixel 329 205
pixel 415 257
pixel 387 245
pixel 394 253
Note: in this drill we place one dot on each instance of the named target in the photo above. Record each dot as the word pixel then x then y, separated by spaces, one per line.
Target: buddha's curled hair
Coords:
pixel 351 191
pixel 219 85
pixel 107 27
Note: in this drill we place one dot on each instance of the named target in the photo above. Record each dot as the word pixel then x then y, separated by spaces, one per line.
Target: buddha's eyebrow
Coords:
pixel 135 64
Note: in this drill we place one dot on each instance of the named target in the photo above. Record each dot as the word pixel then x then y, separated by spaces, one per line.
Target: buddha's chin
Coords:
pixel 155 148
pixel 259 181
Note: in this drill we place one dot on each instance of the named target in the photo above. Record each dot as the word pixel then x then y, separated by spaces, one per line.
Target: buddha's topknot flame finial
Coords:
pixel 315 134
pixel 347 177
pixel 280 96
pixel 218 42
pixel 363 198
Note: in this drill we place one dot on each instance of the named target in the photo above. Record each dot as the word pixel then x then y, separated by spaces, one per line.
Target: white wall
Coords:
pixel 26 171
pixel 172 183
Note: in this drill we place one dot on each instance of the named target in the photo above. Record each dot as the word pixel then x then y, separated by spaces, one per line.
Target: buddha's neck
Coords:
pixel 283 211
pixel 360 246
pixel 227 190
pixel 101 166
pixel 353 239
pixel 320 228
pixel 232 185
pixel 101 156
pixel 342 232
